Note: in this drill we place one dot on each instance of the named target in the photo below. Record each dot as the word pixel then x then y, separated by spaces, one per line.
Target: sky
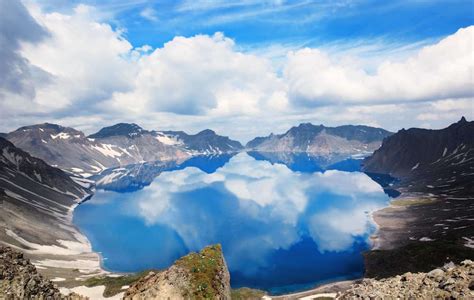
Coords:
pixel 242 68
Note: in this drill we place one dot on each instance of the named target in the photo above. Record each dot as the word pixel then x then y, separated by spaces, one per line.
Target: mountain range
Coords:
pixel 42 170
pixel 127 144
pixel 322 141
pixel 117 145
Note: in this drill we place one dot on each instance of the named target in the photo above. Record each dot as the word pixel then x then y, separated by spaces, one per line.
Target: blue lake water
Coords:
pixel 285 224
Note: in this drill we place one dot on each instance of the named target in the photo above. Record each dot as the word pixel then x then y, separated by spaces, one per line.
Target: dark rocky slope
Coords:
pixel 121 129
pixel 36 202
pixel 34 191
pixel 431 222
pixel 410 153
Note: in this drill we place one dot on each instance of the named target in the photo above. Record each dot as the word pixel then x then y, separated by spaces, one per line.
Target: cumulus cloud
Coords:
pixel 439 71
pixel 17 75
pixel 89 60
pixel 202 75
pixel 75 69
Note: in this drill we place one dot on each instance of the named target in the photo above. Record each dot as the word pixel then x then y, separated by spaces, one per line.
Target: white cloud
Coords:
pixel 149 14
pixel 202 75
pixel 18 78
pixel 95 77
pixel 442 70
pixel 88 60
pixel 269 194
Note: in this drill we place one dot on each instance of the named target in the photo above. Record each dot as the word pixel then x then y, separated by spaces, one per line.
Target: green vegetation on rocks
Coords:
pixel 204 268
pixel 202 275
pixel 247 294
pixel 113 285
pixel 412 201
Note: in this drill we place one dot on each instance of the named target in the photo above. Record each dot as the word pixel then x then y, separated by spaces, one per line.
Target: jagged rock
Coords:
pixel 436 274
pixel 202 275
pixel 19 279
pixel 453 282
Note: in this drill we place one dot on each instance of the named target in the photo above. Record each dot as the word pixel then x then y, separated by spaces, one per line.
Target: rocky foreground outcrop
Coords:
pixel 202 275
pixel 19 279
pixel 448 282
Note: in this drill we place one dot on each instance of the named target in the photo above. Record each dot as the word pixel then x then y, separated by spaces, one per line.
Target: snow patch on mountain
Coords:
pixel 61 135
pixel 107 150
pixel 168 139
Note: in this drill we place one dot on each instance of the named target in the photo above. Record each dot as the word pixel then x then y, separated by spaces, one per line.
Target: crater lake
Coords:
pixel 286 222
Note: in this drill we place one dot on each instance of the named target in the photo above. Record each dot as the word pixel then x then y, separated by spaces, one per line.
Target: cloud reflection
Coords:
pixel 254 208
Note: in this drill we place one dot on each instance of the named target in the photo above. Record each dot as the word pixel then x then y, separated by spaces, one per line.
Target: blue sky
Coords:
pixel 310 23
pixel 263 65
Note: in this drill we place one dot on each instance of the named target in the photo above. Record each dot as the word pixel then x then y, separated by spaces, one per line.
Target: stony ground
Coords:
pixel 19 279
pixel 420 232
pixel 448 282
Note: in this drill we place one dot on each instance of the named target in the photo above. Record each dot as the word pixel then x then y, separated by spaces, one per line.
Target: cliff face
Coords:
pixel 202 275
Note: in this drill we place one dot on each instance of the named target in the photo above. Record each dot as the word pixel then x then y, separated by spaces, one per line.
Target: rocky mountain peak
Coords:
pixel 120 129
pixel 322 140
pixel 207 132
pixel 306 127
pixel 461 123
pixel 202 275
pixel 46 131
pixel 44 126
pixel 412 151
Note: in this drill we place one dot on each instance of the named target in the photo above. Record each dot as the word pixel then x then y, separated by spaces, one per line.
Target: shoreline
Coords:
pixel 330 289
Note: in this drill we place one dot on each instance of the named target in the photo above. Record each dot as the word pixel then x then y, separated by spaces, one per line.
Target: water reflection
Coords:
pixel 280 230
pixel 305 162
pixel 135 177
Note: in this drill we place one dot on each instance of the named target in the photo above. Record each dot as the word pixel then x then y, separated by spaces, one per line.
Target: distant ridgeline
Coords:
pixel 323 141
pixel 126 144
pixel 118 145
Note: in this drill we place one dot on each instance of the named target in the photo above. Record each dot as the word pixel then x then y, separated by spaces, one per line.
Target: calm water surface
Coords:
pixel 282 227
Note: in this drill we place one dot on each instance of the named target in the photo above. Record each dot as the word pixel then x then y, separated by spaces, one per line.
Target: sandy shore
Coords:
pixel 325 290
